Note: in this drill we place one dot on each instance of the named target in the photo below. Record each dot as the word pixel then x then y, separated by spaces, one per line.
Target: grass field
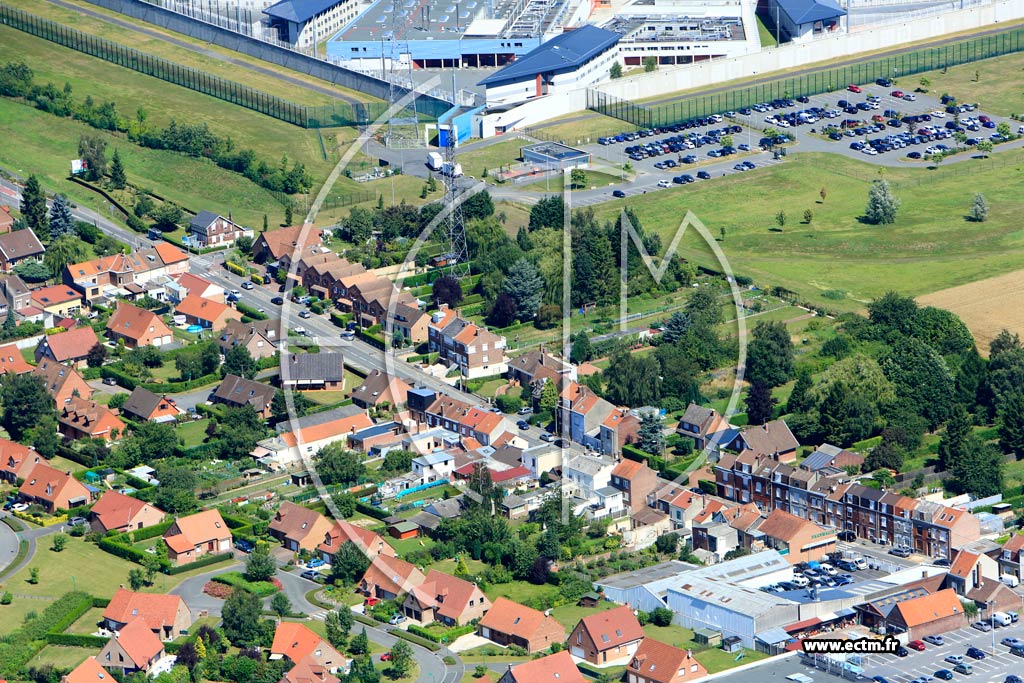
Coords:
pixel 997 86
pixel 200 58
pixel 491 157
pixel 86 624
pixel 61 657
pixel 931 246
pixel 986 306
pixel 766 36
pixel 595 179
pixel 584 131
pixel 570 615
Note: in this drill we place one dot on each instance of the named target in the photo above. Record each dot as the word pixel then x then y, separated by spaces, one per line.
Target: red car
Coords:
pixel 916 645
pixel 897 93
pixel 370 602
pixel 854 88
pixel 386 657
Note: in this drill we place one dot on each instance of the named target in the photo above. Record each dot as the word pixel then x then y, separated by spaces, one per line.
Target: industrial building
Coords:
pixel 304 23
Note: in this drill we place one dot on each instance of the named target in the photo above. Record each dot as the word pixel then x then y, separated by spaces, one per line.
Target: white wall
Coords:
pixel 667 80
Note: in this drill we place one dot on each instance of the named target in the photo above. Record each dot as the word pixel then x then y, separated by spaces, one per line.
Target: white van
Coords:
pixel 1010 580
pixel 1002 618
pixel 801 581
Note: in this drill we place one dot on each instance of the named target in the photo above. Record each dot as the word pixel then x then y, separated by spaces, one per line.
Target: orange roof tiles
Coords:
pixel 659 662
pixel 507 616
pixel 556 668
pixel 294 640
pixel 613 627
pixel 72 344
pixel 200 308
pixel 12 362
pixel 139 642
pixel 156 610
pixel 88 671
pixel 918 611
pixel 963 563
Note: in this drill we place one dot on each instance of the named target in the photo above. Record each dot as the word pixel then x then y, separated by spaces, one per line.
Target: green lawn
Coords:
pixel 326 398
pixel 195 59
pixel 409 544
pixel 61 657
pixel 570 615
pixel 713 659
pixel 520 591
pixel 192 433
pixel 491 157
pixel 86 624
pixel 581 132
pixel 994 88
pixel 594 179
pixel 930 247
pixel 766 36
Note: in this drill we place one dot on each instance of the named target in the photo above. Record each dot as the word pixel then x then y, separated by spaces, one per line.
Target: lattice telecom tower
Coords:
pixel 455 225
pixel 404 124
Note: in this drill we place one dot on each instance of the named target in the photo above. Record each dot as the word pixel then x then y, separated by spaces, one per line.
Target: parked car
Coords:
pixel 310 575
pixel 902 652
pixel 77 521
pixel 916 645
pixel 315 562
pixel 847 536
pixel 1013 678
pixel 982 626
pixel 386 657
pixel 1012 642
pixel 396 619
pixel 854 88
pixel 244 546
pixel 546 437
pixel 934 640
pixel 884 82
pixel 944 674
pixel 247 285
pixel 615 193
pixel 703 175
pixel 19 507
pixel 975 653
pixel 371 601
pixel 305 314
pixel 963 668
pixel 523 424
pixel 901 551
pixel 277 301
pixel 953 659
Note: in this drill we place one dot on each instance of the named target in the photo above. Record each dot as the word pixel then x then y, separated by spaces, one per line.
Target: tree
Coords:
pixel 97 355
pixel 349 564
pixel 136 579
pixel 338 465
pixel 524 284
pixel 447 290
pixel 63 250
pixel 360 644
pixel 581 350
pixel 882 205
pixel 176 493
pixel 662 616
pixel 337 634
pixel 260 565
pixel 33 204
pixel 238 361
pixel 288 213
pixel 800 400
pixel 548 397
pixel 780 218
pixel 650 64
pixel 651 434
pixel 167 216
pixel 703 308
pixel 32 271
pixel 44 437
pixel 548 212
pixel 953 444
pixel 241 618
pixel 26 403
pixel 823 193
pixel 921 378
pixel 846 416
pixel 281 605
pixel 979 471
pixel 979 208
pixel 61 220
pixel 118 178
pixel 808 216
pixel 888 455
pixel 770 355
pixel 60 541
pixel 401 659
pixel 667 543
pixel 93 152
pixel 503 312
pixel 985 147
pixel 760 403
pixel 633 380
pixel 1010 419
pixel 578 178
pixel 616 70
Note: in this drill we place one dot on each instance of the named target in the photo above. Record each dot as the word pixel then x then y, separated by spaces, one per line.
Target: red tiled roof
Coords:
pixel 294 640
pixel 918 611
pixel 157 610
pixel 661 663
pixel 139 642
pixel 200 308
pixel 88 671
pixel 12 362
pixel 72 344
pixel 556 668
pixel 963 563
pixel 612 628
pixel 118 509
pixel 507 616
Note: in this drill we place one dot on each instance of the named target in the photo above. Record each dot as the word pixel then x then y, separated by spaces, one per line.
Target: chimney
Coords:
pixel 924 573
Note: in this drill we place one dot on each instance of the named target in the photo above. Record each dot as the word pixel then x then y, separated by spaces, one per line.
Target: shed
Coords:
pixel 732 644
pixel 589 599
pixel 707 636
pixel 302 478
pixel 404 530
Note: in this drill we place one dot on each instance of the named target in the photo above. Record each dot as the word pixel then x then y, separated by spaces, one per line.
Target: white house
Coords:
pixel 433 466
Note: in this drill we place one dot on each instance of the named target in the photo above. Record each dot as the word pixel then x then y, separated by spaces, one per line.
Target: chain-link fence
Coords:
pixel 325 116
pixel 814 83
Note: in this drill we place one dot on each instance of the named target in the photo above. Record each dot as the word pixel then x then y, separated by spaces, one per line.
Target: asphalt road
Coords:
pixel 9 543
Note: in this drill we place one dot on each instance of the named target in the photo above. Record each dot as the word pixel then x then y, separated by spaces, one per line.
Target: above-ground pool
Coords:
pixel 195 329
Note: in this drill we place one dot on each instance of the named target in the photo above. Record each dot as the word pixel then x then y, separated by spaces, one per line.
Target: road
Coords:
pixel 8 537
pixel 9 543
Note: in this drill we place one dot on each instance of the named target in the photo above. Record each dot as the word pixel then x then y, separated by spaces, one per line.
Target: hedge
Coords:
pixel 451 634
pixel 13 523
pixel 262 589
pixel 363 619
pixel 204 561
pixel 129 382
pixel 235 268
pixel 73 640
pixel 127 552
pixel 21 645
pixel 371 511
pixel 371 339
pixel 214 411
pixel 422 642
pixel 249 311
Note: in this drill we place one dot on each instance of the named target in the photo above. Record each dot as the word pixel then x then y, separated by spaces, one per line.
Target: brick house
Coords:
pixel 772 439
pixel 447 599
pixel 137 327
pixel 167 616
pixel 636 481
pixel 16 460
pixel 115 511
pixel 1010 556
pixel 238 391
pixel 476 351
pixel 556 668
pixel 18 247
pixel 797 539
pixel 929 615
pixel 342 532
pixel 509 623
pixel 208 229
pixel 134 648
pixel 609 637
pixel 12 362
pixel 88 671
pixel 699 423
pixel 297 643
pixel 621 427
pixel 279 245
pixel 59 301
pixel 62 382
pixel 259 337
pixel 207 313
pixel 192 537
pixel 71 347
pixel 80 418
pixel 298 528
pixel 387 577
pixel 146 406
pixel 379 387
pixel 53 489
pixel 657 662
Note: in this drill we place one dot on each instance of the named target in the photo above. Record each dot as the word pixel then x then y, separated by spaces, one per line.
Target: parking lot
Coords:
pixel 997 664
pixel 872 125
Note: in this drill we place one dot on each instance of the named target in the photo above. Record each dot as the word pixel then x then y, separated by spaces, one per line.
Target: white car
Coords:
pixel 782 123
pixel 870 151
pixel 828 569
pixel 910 97
pixel 664 183
pixel 235 292
pixel 19 507
pixel 938 113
